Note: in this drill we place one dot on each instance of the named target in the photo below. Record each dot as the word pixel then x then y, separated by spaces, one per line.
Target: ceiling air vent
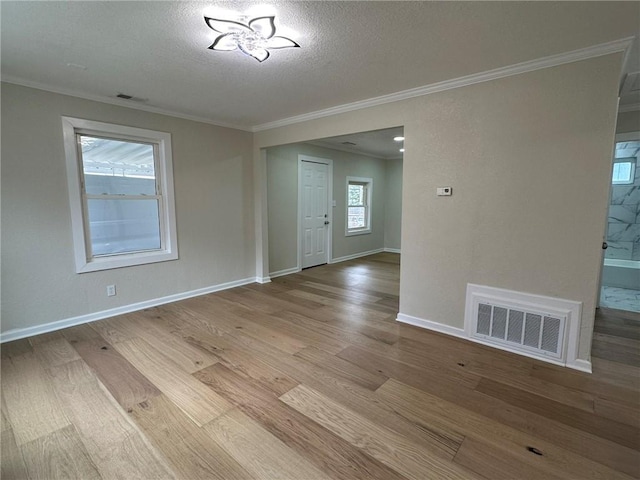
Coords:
pixel 124 96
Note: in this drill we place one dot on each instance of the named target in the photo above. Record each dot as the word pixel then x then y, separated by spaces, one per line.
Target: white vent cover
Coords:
pixel 531 325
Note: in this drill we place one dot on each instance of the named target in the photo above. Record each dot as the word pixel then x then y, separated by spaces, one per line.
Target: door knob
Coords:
pixel 326 222
pixel 605 245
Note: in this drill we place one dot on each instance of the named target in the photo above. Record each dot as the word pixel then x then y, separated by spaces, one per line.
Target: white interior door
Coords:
pixel 314 196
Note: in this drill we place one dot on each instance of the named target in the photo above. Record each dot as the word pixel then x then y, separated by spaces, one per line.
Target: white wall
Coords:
pixel 282 199
pixel 528 157
pixel 213 190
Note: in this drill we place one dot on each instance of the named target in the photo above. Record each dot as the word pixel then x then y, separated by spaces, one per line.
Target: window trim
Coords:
pixel 84 261
pixel 633 162
pixel 368 182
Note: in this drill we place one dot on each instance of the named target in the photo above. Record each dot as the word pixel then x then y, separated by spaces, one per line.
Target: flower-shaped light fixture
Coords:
pixel 254 38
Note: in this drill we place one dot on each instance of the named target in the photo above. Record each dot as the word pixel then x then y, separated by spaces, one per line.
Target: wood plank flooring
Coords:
pixel 310 377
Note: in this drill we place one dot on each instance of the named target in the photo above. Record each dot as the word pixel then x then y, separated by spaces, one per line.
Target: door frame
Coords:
pixel 329 233
pixel 619 137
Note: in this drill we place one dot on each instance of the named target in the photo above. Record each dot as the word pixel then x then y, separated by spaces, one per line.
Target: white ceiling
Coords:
pixel 376 143
pixel 350 51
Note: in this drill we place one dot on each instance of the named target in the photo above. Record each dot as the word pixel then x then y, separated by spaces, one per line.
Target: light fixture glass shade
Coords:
pixel 253 39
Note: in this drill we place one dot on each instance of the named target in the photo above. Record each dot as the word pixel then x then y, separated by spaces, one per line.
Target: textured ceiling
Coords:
pixel 350 51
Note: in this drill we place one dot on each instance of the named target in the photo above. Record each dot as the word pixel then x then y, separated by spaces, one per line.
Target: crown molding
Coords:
pixel 632 107
pixel 120 103
pixel 622 45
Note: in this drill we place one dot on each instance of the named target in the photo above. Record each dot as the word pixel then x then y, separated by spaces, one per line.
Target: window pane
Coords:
pixel 622 172
pixel 355 217
pixel 121 226
pixel 117 167
pixel 356 194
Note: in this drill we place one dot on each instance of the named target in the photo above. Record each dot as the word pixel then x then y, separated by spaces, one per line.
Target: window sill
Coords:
pixel 119 261
pixel 357 232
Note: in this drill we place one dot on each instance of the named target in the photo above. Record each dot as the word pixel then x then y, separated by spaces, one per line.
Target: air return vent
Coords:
pixel 124 96
pixel 531 325
pixel 535 330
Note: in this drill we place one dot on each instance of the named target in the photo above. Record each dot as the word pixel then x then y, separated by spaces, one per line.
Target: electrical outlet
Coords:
pixel 444 191
pixel 111 290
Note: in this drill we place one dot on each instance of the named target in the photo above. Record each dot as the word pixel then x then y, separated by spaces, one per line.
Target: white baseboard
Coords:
pixel 286 271
pixel 582 365
pixel 429 325
pixel 263 279
pixel 356 255
pixel 19 333
pixel 289 271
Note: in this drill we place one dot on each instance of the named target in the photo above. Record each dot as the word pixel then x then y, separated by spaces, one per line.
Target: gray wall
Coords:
pixel 214 211
pixel 282 200
pixel 534 146
pixel 628 122
pixel 393 205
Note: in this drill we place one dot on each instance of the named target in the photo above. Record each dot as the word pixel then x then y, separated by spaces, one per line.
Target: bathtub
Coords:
pixel 621 273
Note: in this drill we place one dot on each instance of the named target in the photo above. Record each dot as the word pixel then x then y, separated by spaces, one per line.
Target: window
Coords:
pixel 624 170
pixel 359 205
pixel 121 195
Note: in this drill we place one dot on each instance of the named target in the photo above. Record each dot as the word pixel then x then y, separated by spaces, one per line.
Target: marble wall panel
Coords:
pixel 623 232
pixel 623 213
pixel 619 250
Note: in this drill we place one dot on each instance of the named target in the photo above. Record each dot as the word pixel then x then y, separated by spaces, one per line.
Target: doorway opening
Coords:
pixel 620 279
pixel 333 199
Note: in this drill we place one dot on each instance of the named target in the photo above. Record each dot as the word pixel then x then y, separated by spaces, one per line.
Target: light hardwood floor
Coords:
pixel 307 378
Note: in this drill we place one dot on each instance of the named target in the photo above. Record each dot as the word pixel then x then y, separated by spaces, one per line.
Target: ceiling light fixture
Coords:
pixel 253 38
pixel 398 139
pixel 402 150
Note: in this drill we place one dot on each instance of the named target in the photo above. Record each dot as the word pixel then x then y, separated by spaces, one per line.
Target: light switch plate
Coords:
pixel 444 191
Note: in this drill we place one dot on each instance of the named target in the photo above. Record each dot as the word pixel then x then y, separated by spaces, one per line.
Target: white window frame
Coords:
pixel 368 183
pixel 632 161
pixel 84 260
